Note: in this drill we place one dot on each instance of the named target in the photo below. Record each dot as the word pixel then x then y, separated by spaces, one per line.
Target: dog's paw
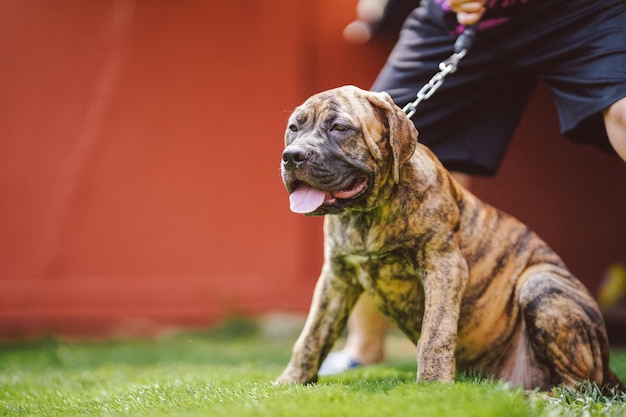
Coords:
pixel 293 376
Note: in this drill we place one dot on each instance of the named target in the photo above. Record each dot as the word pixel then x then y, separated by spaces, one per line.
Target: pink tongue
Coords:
pixel 306 199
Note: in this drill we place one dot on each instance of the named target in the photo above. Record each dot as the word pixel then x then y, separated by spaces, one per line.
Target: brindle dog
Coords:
pixel 473 287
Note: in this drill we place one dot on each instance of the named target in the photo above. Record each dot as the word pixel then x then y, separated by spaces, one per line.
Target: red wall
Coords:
pixel 139 152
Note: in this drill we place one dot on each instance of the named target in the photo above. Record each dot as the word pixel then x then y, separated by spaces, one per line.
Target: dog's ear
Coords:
pixel 402 132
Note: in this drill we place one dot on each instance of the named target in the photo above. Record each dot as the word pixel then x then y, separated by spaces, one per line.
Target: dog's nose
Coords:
pixel 294 156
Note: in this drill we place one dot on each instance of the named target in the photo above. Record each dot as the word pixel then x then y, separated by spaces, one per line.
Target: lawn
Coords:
pixel 230 373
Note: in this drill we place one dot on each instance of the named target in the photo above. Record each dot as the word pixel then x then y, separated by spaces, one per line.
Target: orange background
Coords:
pixel 140 144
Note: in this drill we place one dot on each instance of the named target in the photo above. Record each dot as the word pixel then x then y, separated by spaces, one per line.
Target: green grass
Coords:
pixel 221 374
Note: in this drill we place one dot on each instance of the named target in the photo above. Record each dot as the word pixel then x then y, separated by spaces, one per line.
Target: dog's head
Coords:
pixel 343 146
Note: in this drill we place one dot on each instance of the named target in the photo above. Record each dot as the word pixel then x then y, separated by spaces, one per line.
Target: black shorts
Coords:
pixel 578 47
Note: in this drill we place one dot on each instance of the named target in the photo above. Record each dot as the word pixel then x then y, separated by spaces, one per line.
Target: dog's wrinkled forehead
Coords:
pixel 326 106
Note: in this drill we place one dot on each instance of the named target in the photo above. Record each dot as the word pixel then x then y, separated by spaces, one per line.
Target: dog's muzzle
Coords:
pixel 305 195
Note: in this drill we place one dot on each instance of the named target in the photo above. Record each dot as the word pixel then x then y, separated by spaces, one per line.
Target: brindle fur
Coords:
pixel 473 287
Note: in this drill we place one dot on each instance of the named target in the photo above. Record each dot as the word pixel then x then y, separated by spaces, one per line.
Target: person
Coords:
pixel 577 47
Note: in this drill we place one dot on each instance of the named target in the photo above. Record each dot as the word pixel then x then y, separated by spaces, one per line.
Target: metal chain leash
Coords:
pixel 461 46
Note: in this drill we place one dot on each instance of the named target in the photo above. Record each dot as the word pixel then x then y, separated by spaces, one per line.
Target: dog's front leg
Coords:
pixel 333 300
pixel 444 281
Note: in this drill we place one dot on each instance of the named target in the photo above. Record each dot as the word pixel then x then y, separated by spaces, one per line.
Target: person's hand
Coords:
pixel 468 12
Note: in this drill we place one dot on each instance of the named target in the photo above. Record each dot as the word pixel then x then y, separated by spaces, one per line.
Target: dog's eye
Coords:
pixel 339 127
pixel 293 128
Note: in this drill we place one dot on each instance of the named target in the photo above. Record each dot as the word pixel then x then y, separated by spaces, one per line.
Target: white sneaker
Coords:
pixel 336 363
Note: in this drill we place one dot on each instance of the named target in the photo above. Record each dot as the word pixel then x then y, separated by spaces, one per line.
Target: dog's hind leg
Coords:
pixel 564 329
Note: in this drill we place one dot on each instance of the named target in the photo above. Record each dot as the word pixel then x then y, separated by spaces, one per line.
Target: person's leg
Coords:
pixel 615 123
pixel 588 78
pixel 367 328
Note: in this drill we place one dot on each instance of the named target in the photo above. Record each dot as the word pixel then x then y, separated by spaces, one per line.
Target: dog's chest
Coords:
pixel 393 281
pixel 384 260
pixel 368 234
